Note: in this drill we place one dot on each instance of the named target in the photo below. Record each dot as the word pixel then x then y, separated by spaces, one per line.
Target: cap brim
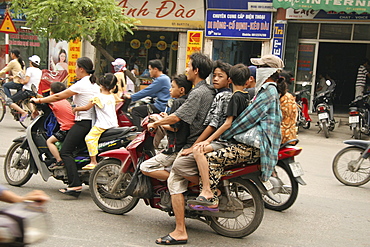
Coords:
pixel 257 61
pixel 114 64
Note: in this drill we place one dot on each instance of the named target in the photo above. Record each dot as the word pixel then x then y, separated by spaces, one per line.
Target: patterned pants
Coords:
pixel 230 155
pixel 92 140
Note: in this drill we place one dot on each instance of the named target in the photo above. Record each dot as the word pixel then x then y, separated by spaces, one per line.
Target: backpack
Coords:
pixel 51 124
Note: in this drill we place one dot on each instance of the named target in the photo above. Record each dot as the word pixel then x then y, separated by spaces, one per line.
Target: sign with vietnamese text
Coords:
pixel 194 43
pixel 165 13
pixel 251 5
pixel 278 40
pixel 310 14
pixel 73 54
pixel 238 24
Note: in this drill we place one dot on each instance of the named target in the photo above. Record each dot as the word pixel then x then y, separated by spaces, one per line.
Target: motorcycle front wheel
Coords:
pixel 249 220
pixel 285 187
pixel 17 165
pixel 344 167
pixel 101 181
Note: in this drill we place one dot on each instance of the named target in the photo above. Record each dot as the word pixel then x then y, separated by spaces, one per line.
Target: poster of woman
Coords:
pixel 58 55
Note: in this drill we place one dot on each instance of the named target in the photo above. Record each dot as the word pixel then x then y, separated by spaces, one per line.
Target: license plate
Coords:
pixel 323 115
pixel 296 169
pixel 354 119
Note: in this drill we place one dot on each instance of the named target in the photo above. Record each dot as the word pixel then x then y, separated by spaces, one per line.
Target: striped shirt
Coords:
pixel 264 112
pixel 217 113
pixel 361 76
pixel 195 109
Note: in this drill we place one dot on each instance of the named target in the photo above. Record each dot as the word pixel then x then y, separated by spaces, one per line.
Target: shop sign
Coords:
pixel 321 14
pixel 24 37
pixel 194 43
pixel 135 44
pixel 348 6
pixel 165 13
pixel 251 5
pixel 278 40
pixel 238 24
pixel 73 54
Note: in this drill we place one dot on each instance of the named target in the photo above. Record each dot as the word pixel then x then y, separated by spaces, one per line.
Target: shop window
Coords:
pixel 309 31
pixel 334 31
pixel 361 32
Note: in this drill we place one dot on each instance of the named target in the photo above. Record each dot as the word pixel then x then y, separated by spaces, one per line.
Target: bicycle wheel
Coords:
pixel 26 105
pixel 2 107
pixel 345 167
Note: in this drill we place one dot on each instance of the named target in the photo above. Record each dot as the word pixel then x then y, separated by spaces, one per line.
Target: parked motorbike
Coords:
pixel 351 165
pixel 303 119
pixel 123 110
pixel 240 207
pixel 29 154
pixel 286 177
pixel 359 118
pixel 323 104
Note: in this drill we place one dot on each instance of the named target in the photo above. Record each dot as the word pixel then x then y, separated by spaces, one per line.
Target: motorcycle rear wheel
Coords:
pixel 343 167
pixel 17 165
pixel 356 132
pixel 252 215
pixel 101 181
pixel 285 187
pixel 325 128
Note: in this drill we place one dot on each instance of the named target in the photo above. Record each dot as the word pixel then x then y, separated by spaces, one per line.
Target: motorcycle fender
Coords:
pixel 357 143
pixel 300 180
pixel 19 139
pixel 121 154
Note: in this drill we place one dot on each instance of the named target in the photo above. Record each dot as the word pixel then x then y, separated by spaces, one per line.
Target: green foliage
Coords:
pixel 92 20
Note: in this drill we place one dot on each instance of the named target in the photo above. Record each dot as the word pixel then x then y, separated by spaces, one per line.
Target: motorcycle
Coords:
pixel 303 119
pixel 240 207
pixel 123 110
pixel 324 107
pixel 29 154
pixel 359 118
pixel 286 178
pixel 351 165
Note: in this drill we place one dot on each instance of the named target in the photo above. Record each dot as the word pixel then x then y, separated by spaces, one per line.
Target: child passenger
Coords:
pixel 63 112
pixel 177 134
pixel 106 118
pixel 239 74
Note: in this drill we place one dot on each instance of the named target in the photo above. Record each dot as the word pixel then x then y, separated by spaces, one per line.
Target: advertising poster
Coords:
pixel 73 55
pixel 194 43
pixel 58 52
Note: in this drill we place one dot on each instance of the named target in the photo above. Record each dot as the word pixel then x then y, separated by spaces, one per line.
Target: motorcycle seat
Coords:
pixel 118 131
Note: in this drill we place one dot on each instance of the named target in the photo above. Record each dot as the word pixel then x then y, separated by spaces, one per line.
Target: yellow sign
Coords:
pixel 7 26
pixel 194 43
pixel 73 54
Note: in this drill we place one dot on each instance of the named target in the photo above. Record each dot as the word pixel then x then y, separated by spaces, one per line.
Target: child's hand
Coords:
pixel 74 110
pixel 163 114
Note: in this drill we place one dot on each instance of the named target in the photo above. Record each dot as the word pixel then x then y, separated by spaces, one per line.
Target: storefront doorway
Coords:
pixel 234 51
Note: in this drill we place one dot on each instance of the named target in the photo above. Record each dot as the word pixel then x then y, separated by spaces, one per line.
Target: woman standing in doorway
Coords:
pixel 82 91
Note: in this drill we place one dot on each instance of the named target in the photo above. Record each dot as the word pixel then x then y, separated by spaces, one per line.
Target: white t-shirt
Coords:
pixel 35 77
pixel 85 92
pixel 105 108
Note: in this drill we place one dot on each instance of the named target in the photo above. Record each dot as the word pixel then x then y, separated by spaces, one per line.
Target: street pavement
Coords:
pixel 326 212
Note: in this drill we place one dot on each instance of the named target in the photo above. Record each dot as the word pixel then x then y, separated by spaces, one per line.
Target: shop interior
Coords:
pixel 234 51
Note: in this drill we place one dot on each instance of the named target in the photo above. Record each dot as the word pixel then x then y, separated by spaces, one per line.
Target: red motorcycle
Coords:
pixel 241 206
pixel 303 119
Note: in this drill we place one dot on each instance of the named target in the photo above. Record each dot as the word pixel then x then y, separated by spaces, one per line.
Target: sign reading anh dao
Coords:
pixel 165 13
pixel 194 43
pixel 348 6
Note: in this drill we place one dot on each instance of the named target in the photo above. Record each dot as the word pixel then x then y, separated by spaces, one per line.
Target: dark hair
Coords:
pixel 201 62
pixel 239 74
pixel 87 65
pixel 17 53
pixel 225 67
pixel 35 65
pixel 156 63
pixel 60 52
pixel 288 76
pixel 56 87
pixel 108 81
pixel 365 60
pixel 282 87
pixel 182 81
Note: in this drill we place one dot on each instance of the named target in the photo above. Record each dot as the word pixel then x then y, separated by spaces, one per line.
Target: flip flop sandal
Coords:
pixel 89 167
pixel 203 208
pixel 201 200
pixel 21 119
pixel 74 193
pixel 168 240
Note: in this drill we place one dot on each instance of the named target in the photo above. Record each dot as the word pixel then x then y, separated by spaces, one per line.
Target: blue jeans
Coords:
pixel 11 85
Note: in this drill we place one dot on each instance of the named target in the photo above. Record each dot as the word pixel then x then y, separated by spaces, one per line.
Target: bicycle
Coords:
pixel 24 104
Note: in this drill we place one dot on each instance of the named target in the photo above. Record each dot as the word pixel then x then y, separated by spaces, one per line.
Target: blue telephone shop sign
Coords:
pixel 238 24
